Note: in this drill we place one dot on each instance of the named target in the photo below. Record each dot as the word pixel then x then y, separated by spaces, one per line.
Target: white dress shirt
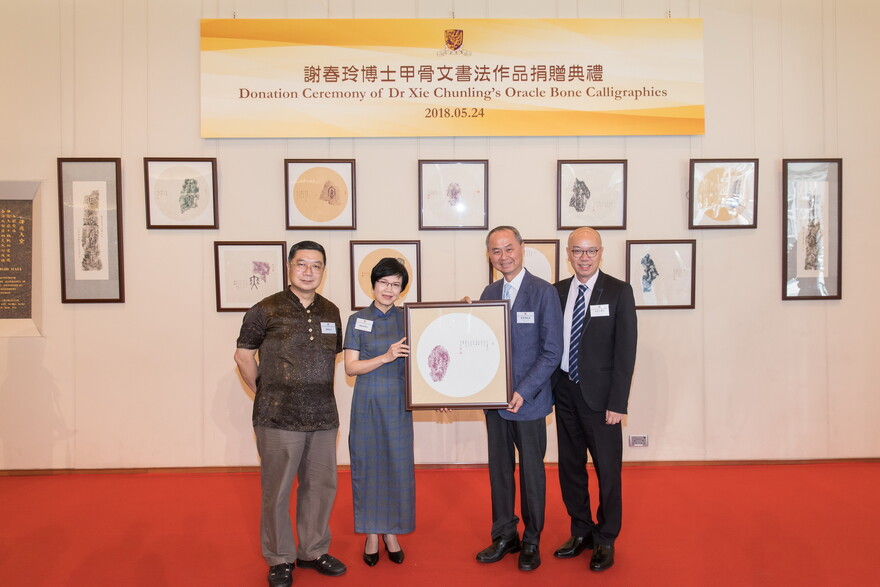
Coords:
pixel 569 309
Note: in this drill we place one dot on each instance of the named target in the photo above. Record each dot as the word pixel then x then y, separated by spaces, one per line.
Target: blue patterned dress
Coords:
pixel 380 440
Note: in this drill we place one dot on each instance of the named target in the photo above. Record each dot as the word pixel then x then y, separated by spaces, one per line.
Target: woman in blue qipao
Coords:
pixel 381 435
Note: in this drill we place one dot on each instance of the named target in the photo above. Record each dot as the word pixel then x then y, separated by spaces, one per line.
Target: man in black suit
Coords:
pixel 592 390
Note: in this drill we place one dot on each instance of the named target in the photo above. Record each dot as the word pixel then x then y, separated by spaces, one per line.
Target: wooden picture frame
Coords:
pixel 245 272
pixel 90 224
pixel 591 193
pixel 454 194
pixel 812 229
pixel 365 255
pixel 459 355
pixel 662 273
pixel 723 193
pixel 321 194
pixel 181 193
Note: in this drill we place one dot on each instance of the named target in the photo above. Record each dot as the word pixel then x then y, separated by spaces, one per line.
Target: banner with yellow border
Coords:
pixel 451 77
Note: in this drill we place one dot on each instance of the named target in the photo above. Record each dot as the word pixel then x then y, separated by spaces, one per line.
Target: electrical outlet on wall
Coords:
pixel 638 440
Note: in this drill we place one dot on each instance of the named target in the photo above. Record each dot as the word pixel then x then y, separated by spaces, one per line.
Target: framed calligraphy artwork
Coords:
pixel 812 229
pixel 591 193
pixel 90 222
pixel 246 272
pixel 459 355
pixel 723 193
pixel 454 195
pixel 320 194
pixel 662 273
pixel 181 193
pixel 365 255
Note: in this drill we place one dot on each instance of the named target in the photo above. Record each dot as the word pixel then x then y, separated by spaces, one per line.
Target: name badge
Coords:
pixel 328 328
pixel 599 310
pixel 365 325
pixel 525 317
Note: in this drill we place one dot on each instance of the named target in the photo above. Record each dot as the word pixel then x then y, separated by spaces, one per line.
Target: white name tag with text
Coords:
pixel 365 325
pixel 328 328
pixel 599 310
pixel 525 317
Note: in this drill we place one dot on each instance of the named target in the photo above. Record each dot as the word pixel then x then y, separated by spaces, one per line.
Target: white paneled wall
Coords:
pixel 151 382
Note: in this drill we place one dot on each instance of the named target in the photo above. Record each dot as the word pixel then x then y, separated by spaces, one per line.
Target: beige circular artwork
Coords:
pixel 366 266
pixel 458 355
pixel 721 194
pixel 320 194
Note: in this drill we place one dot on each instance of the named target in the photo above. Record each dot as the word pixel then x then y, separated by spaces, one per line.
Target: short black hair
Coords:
pixel 386 268
pixel 306 246
pixel 512 229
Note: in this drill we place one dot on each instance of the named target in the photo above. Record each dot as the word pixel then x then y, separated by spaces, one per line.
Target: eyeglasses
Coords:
pixel 591 252
pixel 302 266
pixel 391 284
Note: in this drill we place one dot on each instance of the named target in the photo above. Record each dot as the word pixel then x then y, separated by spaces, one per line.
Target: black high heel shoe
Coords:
pixel 396 556
pixel 370 559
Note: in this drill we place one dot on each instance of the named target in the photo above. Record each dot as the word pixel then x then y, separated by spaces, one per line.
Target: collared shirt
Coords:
pixel 515 285
pixel 297 361
pixel 569 308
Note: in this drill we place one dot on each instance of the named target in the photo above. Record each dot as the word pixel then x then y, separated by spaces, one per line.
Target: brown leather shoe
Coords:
pixel 603 557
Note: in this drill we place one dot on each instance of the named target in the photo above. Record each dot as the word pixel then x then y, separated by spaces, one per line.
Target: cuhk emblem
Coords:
pixel 454 39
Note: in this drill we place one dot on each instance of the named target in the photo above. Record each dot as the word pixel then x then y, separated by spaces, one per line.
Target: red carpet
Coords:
pixel 775 525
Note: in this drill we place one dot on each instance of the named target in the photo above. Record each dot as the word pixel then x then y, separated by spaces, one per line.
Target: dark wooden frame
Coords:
pixel 790 237
pixel 560 196
pixel 149 196
pixel 217 285
pixel 693 268
pixel 692 194
pixel 290 225
pixel 414 280
pixel 69 284
pixel 484 163
pixel 503 310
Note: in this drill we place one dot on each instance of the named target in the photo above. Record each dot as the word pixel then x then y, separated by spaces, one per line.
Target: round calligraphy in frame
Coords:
pixel 725 194
pixel 592 194
pixel 458 355
pixel 365 269
pixel 538 264
pixel 320 195
pixel 182 194
pixel 453 194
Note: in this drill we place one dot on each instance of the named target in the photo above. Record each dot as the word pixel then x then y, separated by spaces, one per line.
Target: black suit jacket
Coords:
pixel 607 354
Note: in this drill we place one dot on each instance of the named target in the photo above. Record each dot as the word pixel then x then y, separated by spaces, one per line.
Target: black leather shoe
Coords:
pixel 370 558
pixel 529 558
pixel 396 556
pixel 499 547
pixel 574 546
pixel 281 575
pixel 324 564
pixel 603 557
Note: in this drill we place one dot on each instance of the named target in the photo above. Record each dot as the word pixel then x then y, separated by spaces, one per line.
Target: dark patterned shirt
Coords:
pixel 297 360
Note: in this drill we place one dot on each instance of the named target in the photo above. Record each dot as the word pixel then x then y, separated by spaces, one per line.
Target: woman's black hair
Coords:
pixel 386 268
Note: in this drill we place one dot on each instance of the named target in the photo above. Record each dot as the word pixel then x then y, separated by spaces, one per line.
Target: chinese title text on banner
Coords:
pixel 451 77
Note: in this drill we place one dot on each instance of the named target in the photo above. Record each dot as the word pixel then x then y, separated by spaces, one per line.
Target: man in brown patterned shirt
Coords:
pixel 298 334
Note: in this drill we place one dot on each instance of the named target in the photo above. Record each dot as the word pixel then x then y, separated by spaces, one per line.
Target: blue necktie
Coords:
pixel 577 329
pixel 505 293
